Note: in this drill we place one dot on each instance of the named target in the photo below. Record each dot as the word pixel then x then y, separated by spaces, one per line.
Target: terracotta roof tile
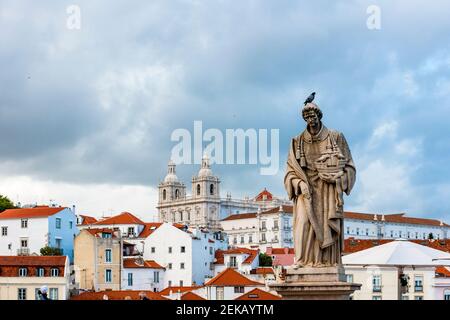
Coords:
pixel 393 218
pixel 36 212
pixel 149 228
pixel 191 296
pixel 123 218
pixel 352 245
pixel 231 278
pixel 133 263
pixel 262 270
pixel 258 294
pixel 118 295
pixel 252 254
pixel 87 220
pixel 41 261
pixel 167 290
pixel 250 215
pixel 98 231
pixel 443 272
pixel 264 196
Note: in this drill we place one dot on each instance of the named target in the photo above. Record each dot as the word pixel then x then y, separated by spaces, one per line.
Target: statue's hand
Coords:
pixel 330 177
pixel 304 190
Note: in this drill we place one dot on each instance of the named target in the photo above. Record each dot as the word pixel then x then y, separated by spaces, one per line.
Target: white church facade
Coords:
pixel 204 208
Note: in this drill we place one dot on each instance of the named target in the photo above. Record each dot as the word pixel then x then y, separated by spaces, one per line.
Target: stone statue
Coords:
pixel 319 170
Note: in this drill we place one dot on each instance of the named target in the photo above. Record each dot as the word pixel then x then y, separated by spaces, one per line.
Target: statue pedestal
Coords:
pixel 326 283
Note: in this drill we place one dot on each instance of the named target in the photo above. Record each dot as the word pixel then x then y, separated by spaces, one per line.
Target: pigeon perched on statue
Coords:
pixel 310 98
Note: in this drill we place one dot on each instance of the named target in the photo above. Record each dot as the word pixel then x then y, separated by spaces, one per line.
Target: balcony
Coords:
pixel 418 288
pixel 23 252
pixel 376 288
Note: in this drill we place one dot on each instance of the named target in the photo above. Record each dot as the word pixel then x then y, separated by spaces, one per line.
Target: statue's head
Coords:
pixel 312 114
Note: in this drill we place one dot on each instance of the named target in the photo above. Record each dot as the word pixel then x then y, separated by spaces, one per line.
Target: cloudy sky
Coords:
pixel 86 115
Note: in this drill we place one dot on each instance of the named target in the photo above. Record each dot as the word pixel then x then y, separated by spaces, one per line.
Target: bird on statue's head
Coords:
pixel 310 98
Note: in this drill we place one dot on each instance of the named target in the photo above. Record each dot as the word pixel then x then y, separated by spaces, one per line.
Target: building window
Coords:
pixel 447 294
pixel 58 243
pixel 169 266
pixel 130 231
pixel 156 276
pixel 242 239
pixel 182 265
pixel 275 224
pixel 263 225
pixel 376 297
pixel 234 240
pixel 238 289
pixel 198 189
pixel 233 262
pixel 37 296
pixel 108 276
pixel 152 249
pixel 367 232
pixel 70 224
pixel 349 278
pixel 106 235
pixel 210 250
pixel 392 234
pixel 53 293
pixel 211 189
pixel 169 283
pixel 348 230
pixel 108 255
pixel 357 231
pixel 286 224
pixel 405 297
pixel 417 235
pixel 263 237
pixel 181 283
pixel 22 272
pixel 24 243
pixel 418 297
pixel 4 231
pixel 219 293
pixel 58 223
pixel 170 249
pixel 183 249
pixel 24 223
pixel 408 234
pixel 130 279
pixel 177 194
pixel 399 234
pixel 39 272
pixel 54 272
pixel 250 238
pixel 376 283
pixel 21 294
pixel 164 194
pixel 418 283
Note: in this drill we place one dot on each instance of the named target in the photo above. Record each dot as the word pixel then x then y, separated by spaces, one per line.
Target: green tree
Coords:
pixel 5 203
pixel 265 260
pixel 50 251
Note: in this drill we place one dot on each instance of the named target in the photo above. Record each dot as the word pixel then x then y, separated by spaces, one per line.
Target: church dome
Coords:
pixel 171 175
pixel 205 170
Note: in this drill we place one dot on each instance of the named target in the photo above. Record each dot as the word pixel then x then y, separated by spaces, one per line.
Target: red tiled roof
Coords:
pixel 443 271
pixel 36 212
pixel 87 220
pixel 264 195
pixel 167 290
pixel 231 278
pixel 352 245
pixel 258 294
pixel 123 218
pixel 252 254
pixel 149 228
pixel 250 215
pixel 41 261
pixel 275 251
pixel 394 218
pixel 133 263
pixel 118 295
pixel 262 270
pixel 96 231
pixel 191 296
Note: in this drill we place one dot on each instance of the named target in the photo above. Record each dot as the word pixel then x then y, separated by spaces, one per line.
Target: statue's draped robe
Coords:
pixel 318 221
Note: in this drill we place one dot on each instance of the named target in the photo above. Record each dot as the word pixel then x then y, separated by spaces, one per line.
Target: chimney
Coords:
pixel 73 209
pixel 375 217
pixel 281 208
pixel 382 217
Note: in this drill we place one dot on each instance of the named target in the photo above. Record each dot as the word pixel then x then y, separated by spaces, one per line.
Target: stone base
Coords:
pixel 315 284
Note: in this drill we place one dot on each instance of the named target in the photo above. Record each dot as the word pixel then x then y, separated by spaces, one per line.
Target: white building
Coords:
pixel 262 229
pixel 140 274
pixel 22 277
pixel 25 231
pixel 186 255
pixel 241 259
pixel 205 207
pixel 381 269
pixel 392 226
